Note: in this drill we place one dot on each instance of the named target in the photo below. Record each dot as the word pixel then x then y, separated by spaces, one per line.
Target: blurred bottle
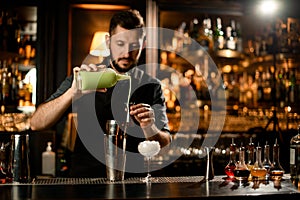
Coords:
pixel 276 171
pixel 239 44
pixel 250 153
pixel 178 39
pixel 14 83
pixel 267 163
pixel 258 172
pixel 6 86
pixel 292 86
pixel 295 156
pixel 241 171
pixel 48 161
pixel 231 36
pixel 205 35
pixel 219 35
pixel 230 167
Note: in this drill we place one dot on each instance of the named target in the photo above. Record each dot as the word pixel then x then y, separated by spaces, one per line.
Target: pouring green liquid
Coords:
pixel 102 79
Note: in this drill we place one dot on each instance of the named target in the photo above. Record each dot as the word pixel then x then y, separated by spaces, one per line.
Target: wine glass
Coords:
pixel 148 149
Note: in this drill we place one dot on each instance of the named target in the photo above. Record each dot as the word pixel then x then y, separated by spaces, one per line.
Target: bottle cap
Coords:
pixel 49 146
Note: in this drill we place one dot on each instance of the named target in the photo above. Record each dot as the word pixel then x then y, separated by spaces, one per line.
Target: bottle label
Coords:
pixel 292 156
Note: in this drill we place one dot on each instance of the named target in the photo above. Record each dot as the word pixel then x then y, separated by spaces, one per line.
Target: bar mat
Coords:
pixel 135 180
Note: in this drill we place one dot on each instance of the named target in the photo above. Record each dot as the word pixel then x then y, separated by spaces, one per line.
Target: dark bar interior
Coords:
pixel 230 77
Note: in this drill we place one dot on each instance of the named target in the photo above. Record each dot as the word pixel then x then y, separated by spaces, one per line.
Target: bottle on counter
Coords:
pixel 258 172
pixel 48 161
pixel 295 156
pixel 250 153
pixel 230 167
pixel 266 162
pixel 241 171
pixel 276 170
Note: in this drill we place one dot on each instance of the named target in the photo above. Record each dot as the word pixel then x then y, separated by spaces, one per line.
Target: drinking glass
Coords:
pixel 148 149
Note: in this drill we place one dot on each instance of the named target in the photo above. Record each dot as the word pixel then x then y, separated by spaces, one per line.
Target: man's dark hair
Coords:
pixel 129 19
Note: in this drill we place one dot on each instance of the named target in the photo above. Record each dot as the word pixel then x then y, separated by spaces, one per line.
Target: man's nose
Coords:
pixel 126 51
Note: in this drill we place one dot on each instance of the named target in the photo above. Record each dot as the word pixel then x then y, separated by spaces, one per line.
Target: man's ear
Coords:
pixel 144 43
pixel 107 41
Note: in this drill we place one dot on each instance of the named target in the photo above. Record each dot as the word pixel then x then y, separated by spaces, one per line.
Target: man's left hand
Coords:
pixel 143 113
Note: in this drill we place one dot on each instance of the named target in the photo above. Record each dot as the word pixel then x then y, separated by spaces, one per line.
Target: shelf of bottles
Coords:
pixel 257 71
pixel 17 67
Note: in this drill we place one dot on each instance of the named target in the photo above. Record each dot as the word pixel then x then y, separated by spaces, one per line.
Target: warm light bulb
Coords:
pixel 268 7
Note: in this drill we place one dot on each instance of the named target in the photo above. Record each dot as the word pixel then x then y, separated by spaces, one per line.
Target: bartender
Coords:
pixel 148 120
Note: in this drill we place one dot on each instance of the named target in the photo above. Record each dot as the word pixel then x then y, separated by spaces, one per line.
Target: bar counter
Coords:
pixel 188 187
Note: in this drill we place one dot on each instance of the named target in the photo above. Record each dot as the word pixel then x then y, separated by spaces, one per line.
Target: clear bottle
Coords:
pixel 276 171
pixel 267 163
pixel 294 156
pixel 241 171
pixel 48 161
pixel 230 167
pixel 258 171
pixel 250 153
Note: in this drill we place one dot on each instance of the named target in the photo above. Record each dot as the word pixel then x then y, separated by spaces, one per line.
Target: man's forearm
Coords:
pixel 48 113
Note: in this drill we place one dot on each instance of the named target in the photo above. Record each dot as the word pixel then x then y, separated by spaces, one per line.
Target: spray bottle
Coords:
pixel 48 161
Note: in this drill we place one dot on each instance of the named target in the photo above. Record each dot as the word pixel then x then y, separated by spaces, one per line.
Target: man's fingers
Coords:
pixel 90 67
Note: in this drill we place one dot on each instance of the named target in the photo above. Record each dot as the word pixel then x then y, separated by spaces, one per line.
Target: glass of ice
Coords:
pixel 148 149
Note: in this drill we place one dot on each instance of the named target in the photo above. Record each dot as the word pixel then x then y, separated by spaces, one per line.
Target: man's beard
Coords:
pixel 119 69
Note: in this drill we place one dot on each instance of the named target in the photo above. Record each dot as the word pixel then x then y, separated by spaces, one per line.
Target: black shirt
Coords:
pixel 94 109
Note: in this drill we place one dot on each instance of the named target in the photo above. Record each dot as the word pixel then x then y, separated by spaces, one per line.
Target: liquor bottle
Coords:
pixel 6 86
pixel 295 156
pixel 219 35
pixel 209 33
pixel 258 172
pixel 239 44
pixel 230 167
pixel 231 36
pixel 260 89
pixel 105 78
pixel 276 171
pixel 205 35
pixel 194 29
pixel 292 86
pixel 267 163
pixel 202 38
pixel 241 171
pixel 14 84
pixel 250 153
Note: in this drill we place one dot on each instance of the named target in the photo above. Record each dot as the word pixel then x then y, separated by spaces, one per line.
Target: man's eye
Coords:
pixel 120 44
pixel 135 45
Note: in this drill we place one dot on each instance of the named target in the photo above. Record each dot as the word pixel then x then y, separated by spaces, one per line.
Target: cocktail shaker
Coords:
pixel 19 165
pixel 115 151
